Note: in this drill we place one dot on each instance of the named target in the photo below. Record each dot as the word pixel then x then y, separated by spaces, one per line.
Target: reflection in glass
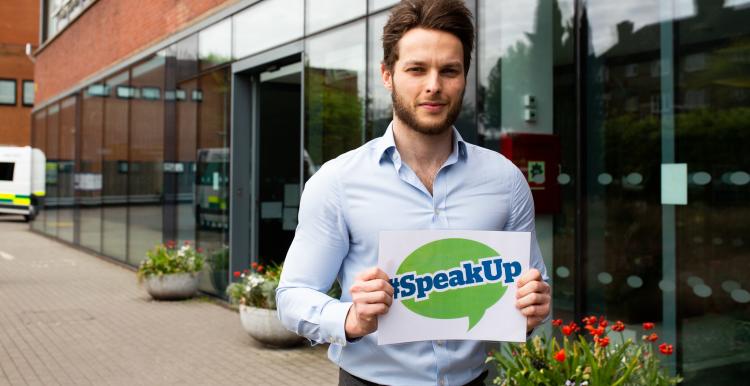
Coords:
pixel 711 117
pixel 146 150
pixel 279 179
pixel 215 44
pixel 211 179
pixel 89 180
pixel 379 111
pixel 51 203
pixel 326 13
pixel 267 24
pixel 39 141
pixel 115 171
pixel 526 48
pixel 376 5
pixel 65 171
pixel 334 93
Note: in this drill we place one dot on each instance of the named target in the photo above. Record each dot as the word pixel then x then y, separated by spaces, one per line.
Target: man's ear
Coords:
pixel 387 76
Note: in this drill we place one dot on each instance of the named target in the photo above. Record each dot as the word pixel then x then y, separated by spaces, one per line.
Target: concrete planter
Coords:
pixel 175 286
pixel 264 326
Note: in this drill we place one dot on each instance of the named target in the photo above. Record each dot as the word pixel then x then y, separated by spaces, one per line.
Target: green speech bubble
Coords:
pixel 471 302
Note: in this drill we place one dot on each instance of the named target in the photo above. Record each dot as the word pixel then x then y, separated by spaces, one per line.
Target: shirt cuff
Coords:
pixel 332 322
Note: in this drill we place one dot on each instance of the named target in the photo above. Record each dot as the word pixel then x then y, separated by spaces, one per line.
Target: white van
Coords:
pixel 22 171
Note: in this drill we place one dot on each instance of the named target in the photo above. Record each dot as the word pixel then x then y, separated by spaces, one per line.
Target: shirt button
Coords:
pixel 440 343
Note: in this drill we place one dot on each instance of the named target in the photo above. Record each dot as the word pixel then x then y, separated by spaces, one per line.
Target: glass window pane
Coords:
pixel 334 93
pixel 526 48
pixel 28 92
pixel 211 179
pixel 115 170
pixel 39 141
pixel 185 53
pixel 712 114
pixel 379 109
pixel 326 13
pixel 215 44
pixel 53 158
pixel 267 24
pixel 377 5
pixel 7 92
pixel 145 169
pixel 89 180
pixel 65 172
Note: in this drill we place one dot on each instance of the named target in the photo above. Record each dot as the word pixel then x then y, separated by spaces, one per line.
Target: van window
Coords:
pixel 6 171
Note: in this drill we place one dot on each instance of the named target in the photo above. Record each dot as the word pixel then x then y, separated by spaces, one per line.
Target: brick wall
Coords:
pixel 109 32
pixel 19 24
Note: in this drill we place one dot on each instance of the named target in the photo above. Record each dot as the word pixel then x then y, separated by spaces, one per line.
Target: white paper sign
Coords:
pixel 453 285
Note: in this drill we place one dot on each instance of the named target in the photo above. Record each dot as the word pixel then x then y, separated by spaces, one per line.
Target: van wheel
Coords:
pixel 32 214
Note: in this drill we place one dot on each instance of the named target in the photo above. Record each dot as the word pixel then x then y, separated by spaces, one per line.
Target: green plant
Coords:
pixel 166 258
pixel 257 286
pixel 579 361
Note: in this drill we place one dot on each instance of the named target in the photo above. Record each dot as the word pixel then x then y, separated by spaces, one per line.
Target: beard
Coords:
pixel 409 116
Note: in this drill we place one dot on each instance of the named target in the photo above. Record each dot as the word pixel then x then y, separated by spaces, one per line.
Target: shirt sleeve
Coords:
pixel 313 262
pixel 522 219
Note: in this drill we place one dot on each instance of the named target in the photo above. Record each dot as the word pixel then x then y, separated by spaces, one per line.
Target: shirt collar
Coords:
pixel 386 146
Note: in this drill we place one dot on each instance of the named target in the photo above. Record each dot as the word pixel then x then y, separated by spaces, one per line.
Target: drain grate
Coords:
pixel 55 317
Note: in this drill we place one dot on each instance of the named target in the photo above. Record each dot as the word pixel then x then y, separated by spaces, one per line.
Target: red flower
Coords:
pixel 187 242
pixel 603 342
pixel 254 265
pixel 648 325
pixel 666 349
pixel 200 249
pixel 603 322
pixel 557 322
pixel 567 330
pixel 237 273
pixel 596 331
pixel 653 337
pixel 170 244
pixel 589 320
pixel 260 268
pixel 245 271
pixel 560 356
pixel 618 326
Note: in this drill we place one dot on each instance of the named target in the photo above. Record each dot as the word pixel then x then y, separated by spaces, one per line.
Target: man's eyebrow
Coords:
pixel 415 62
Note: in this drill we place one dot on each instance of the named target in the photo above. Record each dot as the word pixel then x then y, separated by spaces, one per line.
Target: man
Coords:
pixel 419 175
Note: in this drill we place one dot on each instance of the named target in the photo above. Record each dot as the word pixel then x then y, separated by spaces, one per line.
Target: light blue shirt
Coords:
pixel 344 207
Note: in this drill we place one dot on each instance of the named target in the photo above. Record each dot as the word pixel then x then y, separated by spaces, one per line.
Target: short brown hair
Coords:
pixel 450 16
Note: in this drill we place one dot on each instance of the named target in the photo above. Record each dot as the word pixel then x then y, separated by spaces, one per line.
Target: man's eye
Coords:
pixel 415 69
pixel 450 71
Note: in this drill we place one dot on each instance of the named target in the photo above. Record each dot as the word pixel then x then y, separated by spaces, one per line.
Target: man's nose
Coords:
pixel 434 83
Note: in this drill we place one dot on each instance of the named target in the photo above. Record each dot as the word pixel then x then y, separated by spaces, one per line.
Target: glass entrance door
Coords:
pixel 278 174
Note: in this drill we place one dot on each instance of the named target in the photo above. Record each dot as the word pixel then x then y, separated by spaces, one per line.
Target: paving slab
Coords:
pixel 70 318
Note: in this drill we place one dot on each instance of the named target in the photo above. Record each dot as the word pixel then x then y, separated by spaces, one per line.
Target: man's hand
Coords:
pixel 372 295
pixel 533 298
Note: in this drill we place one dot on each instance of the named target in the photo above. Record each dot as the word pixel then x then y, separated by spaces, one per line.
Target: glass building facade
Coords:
pixel 629 117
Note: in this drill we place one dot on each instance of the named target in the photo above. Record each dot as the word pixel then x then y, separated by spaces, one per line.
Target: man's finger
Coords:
pixel 531 299
pixel 370 311
pixel 530 275
pixel 532 287
pixel 374 286
pixel 373 298
pixel 372 273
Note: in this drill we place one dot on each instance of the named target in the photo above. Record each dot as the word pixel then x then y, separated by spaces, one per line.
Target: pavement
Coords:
pixel 71 318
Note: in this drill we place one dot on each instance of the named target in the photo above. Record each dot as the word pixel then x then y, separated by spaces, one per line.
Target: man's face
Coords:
pixel 427 81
